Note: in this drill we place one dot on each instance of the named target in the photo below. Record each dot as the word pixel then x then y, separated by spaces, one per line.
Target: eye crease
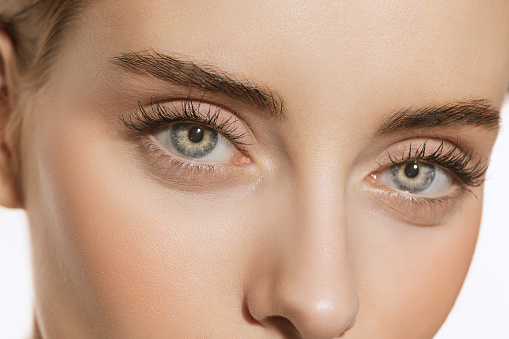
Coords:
pixel 187 111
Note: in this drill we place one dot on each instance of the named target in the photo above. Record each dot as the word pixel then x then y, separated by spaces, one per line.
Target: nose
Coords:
pixel 305 287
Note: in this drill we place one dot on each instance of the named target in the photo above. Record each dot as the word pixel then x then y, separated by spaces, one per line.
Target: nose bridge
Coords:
pixel 317 283
pixel 311 283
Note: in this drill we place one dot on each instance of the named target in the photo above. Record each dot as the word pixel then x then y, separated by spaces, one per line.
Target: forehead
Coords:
pixel 398 51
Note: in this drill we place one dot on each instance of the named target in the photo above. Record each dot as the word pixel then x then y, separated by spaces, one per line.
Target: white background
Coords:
pixel 481 311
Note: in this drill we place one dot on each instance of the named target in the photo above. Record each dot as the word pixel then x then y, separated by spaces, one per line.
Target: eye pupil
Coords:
pixel 195 134
pixel 412 170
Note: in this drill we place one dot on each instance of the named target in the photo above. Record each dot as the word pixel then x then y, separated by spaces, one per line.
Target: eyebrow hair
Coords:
pixel 201 76
pixel 472 113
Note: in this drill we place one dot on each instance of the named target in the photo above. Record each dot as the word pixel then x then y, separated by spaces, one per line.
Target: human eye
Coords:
pixel 195 141
pixel 417 177
pixel 193 136
pixel 423 180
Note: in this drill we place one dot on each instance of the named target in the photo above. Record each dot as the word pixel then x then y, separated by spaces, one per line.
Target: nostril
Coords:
pixel 247 314
pixel 299 309
pixel 352 323
pixel 279 324
pixel 284 326
pixel 318 314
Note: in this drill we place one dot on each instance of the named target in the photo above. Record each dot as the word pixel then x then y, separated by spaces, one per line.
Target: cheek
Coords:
pixel 408 277
pixel 135 255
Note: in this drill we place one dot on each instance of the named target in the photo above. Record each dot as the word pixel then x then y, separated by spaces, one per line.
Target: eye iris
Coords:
pixel 413 177
pixel 196 134
pixel 193 141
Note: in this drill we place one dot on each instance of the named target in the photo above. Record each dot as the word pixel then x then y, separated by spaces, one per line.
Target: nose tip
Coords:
pixel 313 310
pixel 320 315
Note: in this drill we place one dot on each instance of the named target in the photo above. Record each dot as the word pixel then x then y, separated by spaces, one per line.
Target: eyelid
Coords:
pixel 400 151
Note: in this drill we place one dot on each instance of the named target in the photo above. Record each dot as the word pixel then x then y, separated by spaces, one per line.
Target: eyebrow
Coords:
pixel 472 113
pixel 201 76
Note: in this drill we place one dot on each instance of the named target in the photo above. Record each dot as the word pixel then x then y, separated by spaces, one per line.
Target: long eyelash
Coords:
pixel 160 116
pixel 456 160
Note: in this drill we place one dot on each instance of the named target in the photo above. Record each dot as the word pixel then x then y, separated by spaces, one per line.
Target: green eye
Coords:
pixel 413 177
pixel 196 142
pixel 416 177
pixel 192 140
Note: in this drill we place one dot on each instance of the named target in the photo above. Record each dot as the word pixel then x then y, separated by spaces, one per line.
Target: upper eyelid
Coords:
pixel 455 160
pixel 159 115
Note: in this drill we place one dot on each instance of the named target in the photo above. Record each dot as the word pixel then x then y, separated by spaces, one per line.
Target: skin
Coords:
pixel 298 241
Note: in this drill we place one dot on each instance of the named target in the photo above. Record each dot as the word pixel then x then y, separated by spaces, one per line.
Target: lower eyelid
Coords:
pixel 415 210
pixel 178 172
pixel 170 170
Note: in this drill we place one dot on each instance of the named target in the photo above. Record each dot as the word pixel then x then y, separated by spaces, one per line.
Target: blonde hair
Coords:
pixel 36 28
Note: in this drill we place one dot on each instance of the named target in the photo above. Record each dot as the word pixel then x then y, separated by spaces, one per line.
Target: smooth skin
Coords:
pixel 300 240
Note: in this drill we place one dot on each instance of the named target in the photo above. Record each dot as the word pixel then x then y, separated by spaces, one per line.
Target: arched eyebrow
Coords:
pixel 472 113
pixel 207 78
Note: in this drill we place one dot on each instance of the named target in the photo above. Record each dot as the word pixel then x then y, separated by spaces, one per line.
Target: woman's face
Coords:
pixel 339 196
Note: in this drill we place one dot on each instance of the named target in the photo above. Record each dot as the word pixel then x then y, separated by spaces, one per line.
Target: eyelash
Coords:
pixel 161 116
pixel 455 160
